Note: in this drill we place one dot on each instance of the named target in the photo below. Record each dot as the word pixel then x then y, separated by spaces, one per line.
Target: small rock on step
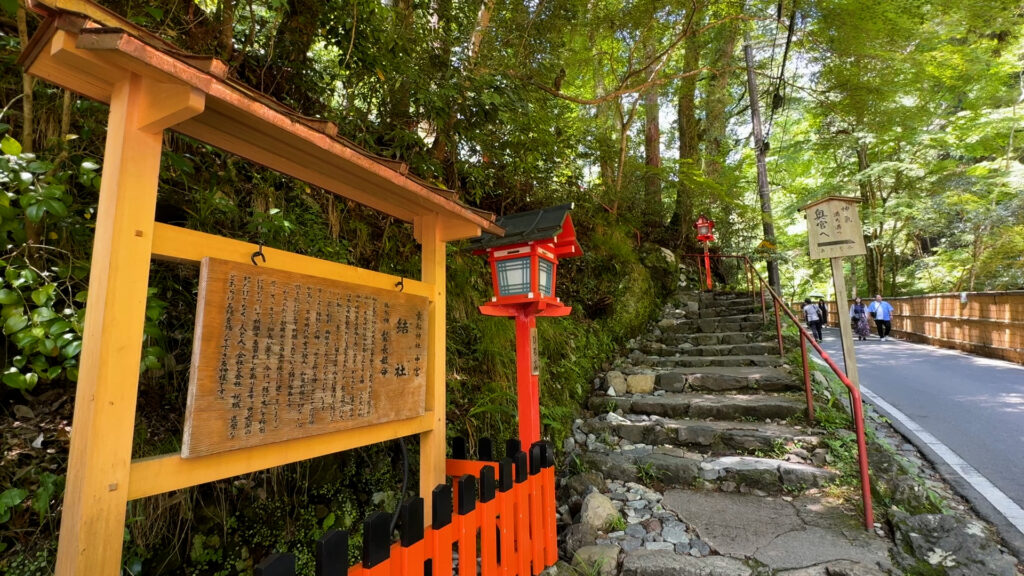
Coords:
pixel 616 382
pixel 640 383
pixel 637 358
pixel 598 513
pixel 602 558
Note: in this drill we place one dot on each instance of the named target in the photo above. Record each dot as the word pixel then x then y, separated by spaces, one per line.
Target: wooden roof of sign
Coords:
pixel 830 198
pixel 552 225
pixel 88 49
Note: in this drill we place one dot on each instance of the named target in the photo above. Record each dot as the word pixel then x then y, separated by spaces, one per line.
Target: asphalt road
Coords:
pixel 972 405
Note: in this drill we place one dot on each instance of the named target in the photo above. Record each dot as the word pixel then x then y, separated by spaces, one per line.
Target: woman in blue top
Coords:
pixel 881 311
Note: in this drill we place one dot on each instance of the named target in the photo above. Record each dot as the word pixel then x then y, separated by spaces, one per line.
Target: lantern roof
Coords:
pixel 549 225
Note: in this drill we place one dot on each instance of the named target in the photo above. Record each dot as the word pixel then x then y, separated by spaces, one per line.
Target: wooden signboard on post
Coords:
pixel 834 231
pixel 279 355
pixel 833 228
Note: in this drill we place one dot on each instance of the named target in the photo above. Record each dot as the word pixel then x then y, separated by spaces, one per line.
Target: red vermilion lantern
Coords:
pixel 705 234
pixel 523 270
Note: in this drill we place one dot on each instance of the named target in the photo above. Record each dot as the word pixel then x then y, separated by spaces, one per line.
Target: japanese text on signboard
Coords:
pixel 834 229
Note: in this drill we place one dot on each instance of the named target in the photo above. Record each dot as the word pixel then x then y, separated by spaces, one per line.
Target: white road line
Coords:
pixel 1007 507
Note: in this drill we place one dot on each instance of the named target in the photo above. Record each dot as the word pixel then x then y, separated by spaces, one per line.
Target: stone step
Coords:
pixel 699 361
pixel 714 436
pixel 739 323
pixel 677 467
pixel 721 379
pixel 754 349
pixel 729 310
pixel 711 338
pixel 700 406
pixel 719 297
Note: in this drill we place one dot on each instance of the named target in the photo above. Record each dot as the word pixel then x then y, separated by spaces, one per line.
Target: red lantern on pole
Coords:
pixel 705 234
pixel 523 268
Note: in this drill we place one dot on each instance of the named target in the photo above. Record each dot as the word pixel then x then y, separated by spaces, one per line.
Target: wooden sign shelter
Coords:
pixel 151 87
pixel 834 231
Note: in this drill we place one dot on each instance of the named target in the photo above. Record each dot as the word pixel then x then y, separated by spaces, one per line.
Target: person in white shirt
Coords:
pixel 881 311
pixel 813 316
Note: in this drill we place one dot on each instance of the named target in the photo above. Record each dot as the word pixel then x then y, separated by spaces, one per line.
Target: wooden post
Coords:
pixel 843 312
pixel 432 443
pixel 92 527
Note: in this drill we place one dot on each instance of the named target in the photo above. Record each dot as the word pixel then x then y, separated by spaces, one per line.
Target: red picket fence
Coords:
pixel 508 507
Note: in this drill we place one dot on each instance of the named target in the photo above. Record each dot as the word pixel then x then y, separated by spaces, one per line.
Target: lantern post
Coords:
pixel 523 265
pixel 705 234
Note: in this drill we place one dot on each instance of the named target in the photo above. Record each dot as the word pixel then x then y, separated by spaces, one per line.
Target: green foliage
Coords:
pixel 9 499
pixel 616 524
pixel 41 294
pixel 646 473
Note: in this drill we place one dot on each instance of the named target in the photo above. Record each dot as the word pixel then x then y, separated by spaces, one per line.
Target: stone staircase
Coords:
pixel 704 399
pixel 697 460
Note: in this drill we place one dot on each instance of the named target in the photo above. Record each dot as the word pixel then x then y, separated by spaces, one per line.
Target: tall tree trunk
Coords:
pixel 717 100
pixel 295 35
pixel 401 96
pixel 873 257
pixel 604 114
pixel 683 216
pixel 27 86
pixel 33 232
pixel 977 249
pixel 227 30
pixel 652 156
pixel 767 221
pixel 445 142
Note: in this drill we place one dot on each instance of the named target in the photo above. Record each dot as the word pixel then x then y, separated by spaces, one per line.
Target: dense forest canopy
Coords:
pixel 638 111
pixel 640 108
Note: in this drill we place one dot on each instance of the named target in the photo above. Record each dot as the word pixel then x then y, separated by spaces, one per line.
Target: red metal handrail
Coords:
pixel 856 403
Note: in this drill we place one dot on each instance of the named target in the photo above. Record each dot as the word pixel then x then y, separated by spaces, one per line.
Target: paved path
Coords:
pixel 969 417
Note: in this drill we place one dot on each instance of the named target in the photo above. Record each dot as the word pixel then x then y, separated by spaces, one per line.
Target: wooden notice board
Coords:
pixel 279 355
pixel 834 229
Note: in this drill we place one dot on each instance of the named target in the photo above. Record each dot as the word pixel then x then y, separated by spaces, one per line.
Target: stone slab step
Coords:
pixel 751 349
pixel 741 323
pixel 675 466
pixel 721 379
pixel 711 338
pixel 719 297
pixel 717 436
pixel 700 361
pixel 700 406
pixel 729 310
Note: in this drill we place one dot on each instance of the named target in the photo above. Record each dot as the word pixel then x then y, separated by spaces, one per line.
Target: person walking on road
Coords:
pixel 823 311
pixel 859 319
pixel 813 316
pixel 881 311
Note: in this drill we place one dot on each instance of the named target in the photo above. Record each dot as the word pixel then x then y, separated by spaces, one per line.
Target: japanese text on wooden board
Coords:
pixel 834 229
pixel 279 355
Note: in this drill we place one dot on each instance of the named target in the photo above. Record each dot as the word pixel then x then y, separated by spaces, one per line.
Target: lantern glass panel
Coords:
pixel 546 270
pixel 703 229
pixel 514 276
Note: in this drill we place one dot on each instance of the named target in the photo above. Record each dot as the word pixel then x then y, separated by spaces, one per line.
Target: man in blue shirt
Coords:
pixel 881 311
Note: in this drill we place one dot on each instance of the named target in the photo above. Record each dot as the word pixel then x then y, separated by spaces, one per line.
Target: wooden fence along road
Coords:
pixel 509 510
pixel 984 323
